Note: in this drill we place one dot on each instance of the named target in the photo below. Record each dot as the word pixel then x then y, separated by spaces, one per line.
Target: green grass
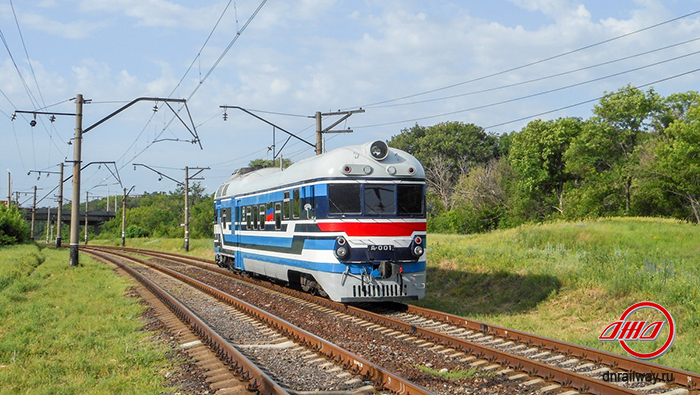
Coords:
pixel 203 248
pixel 72 330
pixel 457 374
pixel 570 280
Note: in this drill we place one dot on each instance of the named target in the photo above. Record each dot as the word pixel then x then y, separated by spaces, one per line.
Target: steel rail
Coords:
pixel 682 378
pixel 258 380
pixel 381 378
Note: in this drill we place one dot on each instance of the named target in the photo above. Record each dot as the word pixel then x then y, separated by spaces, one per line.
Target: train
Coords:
pixel 349 224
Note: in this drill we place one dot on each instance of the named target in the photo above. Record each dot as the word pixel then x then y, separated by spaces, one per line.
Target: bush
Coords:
pixel 13 228
pixel 135 231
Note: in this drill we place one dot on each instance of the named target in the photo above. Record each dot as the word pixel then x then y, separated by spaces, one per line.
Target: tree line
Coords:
pixel 637 155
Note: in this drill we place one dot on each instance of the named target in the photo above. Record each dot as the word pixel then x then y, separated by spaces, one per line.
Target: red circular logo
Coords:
pixel 671 330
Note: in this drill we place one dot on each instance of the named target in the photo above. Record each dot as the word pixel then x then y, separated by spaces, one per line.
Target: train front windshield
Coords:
pixel 391 200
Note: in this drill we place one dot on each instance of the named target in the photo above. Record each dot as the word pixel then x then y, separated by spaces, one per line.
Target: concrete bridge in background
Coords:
pixel 95 218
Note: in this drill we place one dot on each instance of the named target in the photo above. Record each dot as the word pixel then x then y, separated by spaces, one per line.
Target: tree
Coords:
pixel 446 151
pixel 262 163
pixel 537 155
pixel 482 192
pixel 603 155
pixel 675 107
pixel 13 228
pixel 678 160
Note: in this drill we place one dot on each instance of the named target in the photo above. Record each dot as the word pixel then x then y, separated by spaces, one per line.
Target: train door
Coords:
pixel 239 225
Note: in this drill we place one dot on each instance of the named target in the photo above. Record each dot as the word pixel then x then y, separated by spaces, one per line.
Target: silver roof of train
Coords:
pixel 350 162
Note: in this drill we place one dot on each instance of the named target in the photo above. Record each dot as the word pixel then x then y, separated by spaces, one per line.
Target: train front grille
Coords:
pixel 379 291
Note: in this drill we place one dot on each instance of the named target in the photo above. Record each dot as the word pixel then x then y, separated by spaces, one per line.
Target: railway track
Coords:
pixel 540 363
pixel 260 348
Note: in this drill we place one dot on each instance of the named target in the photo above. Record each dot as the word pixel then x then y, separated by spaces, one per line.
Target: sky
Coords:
pixel 498 64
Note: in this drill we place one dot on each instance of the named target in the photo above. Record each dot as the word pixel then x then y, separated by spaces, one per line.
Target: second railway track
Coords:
pixel 271 354
pixel 449 342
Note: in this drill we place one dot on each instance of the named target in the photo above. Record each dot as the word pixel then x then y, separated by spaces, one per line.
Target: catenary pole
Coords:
pixel 75 204
pixel 9 188
pixel 33 213
pixel 187 209
pixel 59 215
pixel 87 200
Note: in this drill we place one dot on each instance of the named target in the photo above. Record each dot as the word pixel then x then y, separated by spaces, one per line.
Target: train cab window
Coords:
pixel 296 203
pixel 278 215
pixel 344 199
pixel 262 217
pixel 409 199
pixel 287 209
pixel 379 199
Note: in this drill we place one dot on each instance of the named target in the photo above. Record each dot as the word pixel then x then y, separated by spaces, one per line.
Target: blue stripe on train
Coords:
pixel 325 266
pixel 282 242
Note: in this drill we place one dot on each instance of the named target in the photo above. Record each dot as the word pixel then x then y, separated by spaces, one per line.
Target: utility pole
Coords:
pixel 48 223
pixel 187 209
pixel 186 184
pixel 59 222
pixel 79 101
pixel 319 128
pixel 187 205
pixel 123 213
pixel 75 204
pixel 60 197
pixel 124 218
pixel 33 213
pixel 87 200
pixel 9 188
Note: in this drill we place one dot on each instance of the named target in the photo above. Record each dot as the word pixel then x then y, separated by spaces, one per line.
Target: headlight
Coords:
pixel 342 250
pixel 379 150
pixel 417 251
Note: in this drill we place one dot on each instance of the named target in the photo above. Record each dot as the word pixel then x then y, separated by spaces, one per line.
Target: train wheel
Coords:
pixel 309 284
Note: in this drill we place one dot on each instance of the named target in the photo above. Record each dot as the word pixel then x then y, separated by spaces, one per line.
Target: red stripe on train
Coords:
pixel 373 228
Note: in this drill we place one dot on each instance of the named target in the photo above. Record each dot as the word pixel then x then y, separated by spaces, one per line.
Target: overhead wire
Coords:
pixel 199 54
pixel 540 78
pixel 589 101
pixel 35 102
pixel 481 107
pixel 534 62
pixel 206 76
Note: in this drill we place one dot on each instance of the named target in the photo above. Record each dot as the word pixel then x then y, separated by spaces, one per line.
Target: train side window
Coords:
pixel 229 219
pixel 262 217
pixel 255 216
pixel 297 203
pixel 278 215
pixel 287 206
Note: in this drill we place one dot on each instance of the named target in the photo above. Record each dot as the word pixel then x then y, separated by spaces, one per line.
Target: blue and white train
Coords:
pixel 349 224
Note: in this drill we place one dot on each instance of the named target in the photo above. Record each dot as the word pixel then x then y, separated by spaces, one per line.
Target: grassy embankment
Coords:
pixel 72 330
pixel 570 280
pixel 562 280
